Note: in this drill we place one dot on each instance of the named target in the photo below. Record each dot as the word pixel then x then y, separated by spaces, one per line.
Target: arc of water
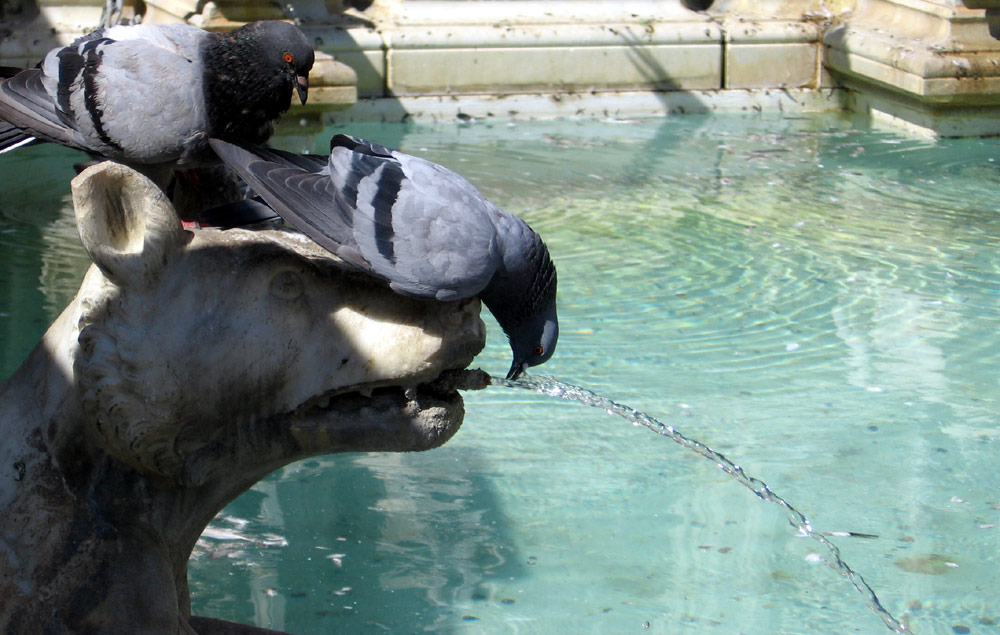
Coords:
pixel 556 388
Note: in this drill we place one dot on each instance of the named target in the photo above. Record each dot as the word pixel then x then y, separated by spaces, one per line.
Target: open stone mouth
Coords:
pixel 416 395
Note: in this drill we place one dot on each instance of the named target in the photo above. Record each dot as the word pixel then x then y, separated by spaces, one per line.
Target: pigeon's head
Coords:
pixel 287 51
pixel 534 342
pixel 525 307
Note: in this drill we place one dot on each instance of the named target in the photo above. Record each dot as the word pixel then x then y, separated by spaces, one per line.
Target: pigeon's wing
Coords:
pixel 26 105
pixel 421 226
pixel 309 162
pixel 427 240
pixel 30 99
pixel 139 94
pixel 297 188
pixel 128 92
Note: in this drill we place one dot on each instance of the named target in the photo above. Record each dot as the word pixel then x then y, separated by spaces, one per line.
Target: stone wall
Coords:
pixel 929 64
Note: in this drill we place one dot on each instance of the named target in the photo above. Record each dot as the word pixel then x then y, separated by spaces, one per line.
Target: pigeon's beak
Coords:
pixel 302 87
pixel 516 369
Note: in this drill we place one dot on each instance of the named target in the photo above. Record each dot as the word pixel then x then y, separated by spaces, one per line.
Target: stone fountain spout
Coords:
pixel 190 365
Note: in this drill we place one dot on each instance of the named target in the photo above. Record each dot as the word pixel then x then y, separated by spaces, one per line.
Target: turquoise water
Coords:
pixel 816 300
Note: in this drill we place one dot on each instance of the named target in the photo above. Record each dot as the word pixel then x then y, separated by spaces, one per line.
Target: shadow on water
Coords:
pixel 397 542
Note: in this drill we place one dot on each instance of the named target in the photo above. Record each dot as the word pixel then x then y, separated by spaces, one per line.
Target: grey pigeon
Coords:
pixel 151 95
pixel 416 224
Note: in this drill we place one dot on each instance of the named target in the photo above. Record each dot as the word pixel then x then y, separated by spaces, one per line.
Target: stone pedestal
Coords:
pixel 449 48
pixel 929 65
pixel 227 14
pixel 565 48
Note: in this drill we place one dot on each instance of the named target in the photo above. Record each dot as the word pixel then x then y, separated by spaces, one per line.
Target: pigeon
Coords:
pixel 151 96
pixel 417 225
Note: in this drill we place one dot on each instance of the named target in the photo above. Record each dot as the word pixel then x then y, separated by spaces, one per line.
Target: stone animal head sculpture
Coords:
pixel 189 366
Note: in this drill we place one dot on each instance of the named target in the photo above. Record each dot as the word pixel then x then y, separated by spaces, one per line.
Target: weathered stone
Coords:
pixel 189 366
pixel 930 65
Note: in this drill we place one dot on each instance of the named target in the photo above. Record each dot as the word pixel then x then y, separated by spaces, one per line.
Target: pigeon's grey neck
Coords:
pixel 527 282
pixel 244 99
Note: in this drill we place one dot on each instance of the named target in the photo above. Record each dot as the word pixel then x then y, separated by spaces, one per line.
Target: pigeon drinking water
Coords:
pixel 416 224
pixel 151 95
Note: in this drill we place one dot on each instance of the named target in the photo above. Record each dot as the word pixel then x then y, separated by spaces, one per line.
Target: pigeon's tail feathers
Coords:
pixel 298 195
pixel 25 105
pixel 12 138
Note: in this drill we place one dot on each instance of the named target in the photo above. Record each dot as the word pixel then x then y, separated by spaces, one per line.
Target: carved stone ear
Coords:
pixel 126 223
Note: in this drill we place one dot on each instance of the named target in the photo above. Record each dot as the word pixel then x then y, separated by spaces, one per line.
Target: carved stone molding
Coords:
pixel 930 65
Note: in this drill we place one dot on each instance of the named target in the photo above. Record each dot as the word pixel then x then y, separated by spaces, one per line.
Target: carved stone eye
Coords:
pixel 287 285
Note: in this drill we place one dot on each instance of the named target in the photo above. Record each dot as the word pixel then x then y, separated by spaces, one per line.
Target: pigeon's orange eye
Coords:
pixel 289 58
pixel 538 350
